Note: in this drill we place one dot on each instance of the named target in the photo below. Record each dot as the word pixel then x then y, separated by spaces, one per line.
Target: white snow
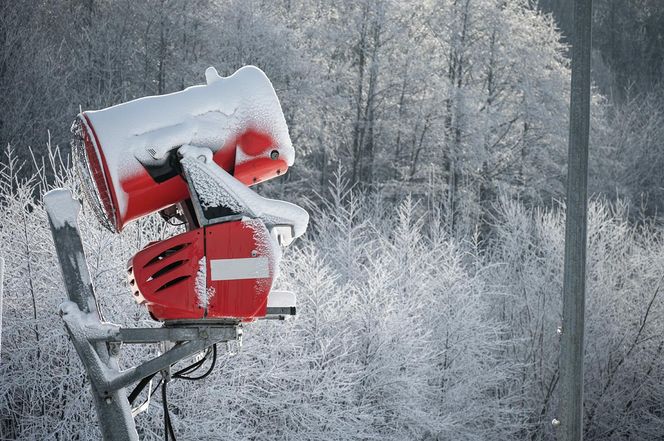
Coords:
pixel 216 187
pixel 206 115
pixel 202 291
pixel 61 207
pixel 265 246
pixel 281 299
pixel 211 75
pixel 88 323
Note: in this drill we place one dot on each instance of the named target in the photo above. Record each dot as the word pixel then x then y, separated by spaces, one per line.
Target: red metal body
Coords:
pixel 129 156
pixel 219 271
pixel 143 195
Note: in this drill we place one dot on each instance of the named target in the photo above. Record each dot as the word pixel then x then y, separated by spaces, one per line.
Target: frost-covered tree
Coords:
pixel 404 331
pixel 429 286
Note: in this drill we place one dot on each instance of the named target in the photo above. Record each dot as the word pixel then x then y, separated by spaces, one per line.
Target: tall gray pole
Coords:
pixel 571 355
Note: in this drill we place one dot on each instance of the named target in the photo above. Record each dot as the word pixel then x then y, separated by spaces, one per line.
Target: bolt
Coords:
pixel 559 330
pixel 203 334
pixel 114 349
pixel 274 154
pixel 109 400
pixel 555 422
pixel 254 253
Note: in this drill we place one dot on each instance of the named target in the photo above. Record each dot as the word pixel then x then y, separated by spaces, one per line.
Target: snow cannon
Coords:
pixel 127 153
pixel 192 156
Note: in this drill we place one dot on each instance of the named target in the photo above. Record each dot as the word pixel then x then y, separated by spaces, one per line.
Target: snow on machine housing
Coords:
pixel 191 155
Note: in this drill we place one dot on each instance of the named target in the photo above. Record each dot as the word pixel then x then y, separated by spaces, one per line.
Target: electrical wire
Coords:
pixel 179 374
pixel 175 225
pixel 168 427
pixel 156 387
pixel 182 374
pixel 139 388
pixel 194 366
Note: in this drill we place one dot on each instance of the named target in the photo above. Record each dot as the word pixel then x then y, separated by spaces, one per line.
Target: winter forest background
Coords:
pixel 431 139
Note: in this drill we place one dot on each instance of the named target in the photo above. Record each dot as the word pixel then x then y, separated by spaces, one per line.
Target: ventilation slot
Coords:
pixel 167 268
pixel 165 254
pixel 172 283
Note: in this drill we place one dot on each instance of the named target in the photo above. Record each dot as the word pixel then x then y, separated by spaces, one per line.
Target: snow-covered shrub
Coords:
pixel 394 339
pixel 624 329
pixel 403 331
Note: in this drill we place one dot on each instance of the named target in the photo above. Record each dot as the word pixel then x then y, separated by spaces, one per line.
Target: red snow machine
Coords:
pixel 191 156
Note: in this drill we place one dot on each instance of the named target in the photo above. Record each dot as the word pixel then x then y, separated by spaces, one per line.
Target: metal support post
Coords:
pixel 97 343
pixel 115 420
pixel 571 355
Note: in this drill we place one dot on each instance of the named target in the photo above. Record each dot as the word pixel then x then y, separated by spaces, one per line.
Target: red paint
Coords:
pixel 254 143
pixel 246 298
pixel 144 196
pixel 225 156
pixel 259 170
pixel 150 288
pixel 150 277
pixel 100 174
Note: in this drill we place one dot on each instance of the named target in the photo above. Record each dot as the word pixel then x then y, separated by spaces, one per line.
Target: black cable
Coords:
pixel 165 405
pixel 168 427
pixel 139 388
pixel 156 388
pixel 194 366
pixel 175 225
pixel 180 375
pixel 145 381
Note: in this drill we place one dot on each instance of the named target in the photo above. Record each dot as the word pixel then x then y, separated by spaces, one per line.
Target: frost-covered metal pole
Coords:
pixel 115 420
pixel 571 356
pixel 96 342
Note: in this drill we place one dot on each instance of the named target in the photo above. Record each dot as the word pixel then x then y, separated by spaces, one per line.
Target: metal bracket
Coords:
pixel 98 344
pixel 173 334
pixel 279 312
pixel 105 380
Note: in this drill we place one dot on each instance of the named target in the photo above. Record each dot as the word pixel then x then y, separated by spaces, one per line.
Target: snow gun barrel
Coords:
pixel 125 154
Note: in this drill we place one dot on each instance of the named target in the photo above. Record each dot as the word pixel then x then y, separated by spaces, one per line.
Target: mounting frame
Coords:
pixel 99 344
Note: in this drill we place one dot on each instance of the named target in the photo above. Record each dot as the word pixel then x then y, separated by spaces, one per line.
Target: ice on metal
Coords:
pixel 61 207
pixel 216 187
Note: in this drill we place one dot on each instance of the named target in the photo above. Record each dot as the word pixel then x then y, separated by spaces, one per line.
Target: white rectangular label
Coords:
pixel 238 269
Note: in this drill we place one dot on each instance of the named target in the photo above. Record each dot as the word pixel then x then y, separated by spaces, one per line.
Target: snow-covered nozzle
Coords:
pixel 126 153
pixel 215 187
